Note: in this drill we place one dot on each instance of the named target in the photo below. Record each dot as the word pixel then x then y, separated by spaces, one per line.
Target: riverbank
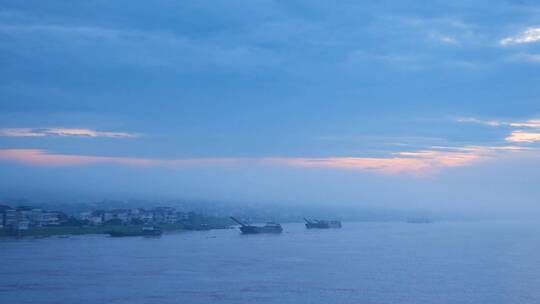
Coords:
pixel 80 230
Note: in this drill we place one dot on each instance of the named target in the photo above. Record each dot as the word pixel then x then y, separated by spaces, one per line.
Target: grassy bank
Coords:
pixel 192 224
pixel 73 230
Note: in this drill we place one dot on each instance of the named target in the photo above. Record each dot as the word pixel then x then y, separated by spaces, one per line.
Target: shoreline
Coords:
pixel 83 230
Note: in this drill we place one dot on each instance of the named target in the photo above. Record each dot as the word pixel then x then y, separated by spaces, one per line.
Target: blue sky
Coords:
pixel 277 98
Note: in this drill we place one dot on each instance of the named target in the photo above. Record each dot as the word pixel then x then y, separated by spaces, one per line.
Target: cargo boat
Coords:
pixel 152 231
pixel 321 224
pixel 145 231
pixel 267 228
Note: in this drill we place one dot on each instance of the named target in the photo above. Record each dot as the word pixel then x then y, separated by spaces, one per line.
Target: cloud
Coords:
pixel 531 123
pixel 523 137
pixel 20 132
pixel 516 136
pixel 37 157
pixel 415 164
pixel 42 158
pixel 493 123
pixel 418 163
pixel 530 35
pixel 446 39
pixel 62 132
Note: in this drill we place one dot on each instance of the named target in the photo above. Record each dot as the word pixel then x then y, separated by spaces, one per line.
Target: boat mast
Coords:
pixel 239 222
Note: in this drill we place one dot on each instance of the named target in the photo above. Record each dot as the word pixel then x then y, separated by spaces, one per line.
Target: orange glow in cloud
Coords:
pixel 382 165
pixel 418 163
pixel 523 137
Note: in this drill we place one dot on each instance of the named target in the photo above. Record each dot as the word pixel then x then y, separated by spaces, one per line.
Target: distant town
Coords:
pixel 28 220
pixel 31 218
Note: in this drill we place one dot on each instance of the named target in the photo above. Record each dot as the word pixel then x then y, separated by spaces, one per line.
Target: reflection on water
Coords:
pixel 480 262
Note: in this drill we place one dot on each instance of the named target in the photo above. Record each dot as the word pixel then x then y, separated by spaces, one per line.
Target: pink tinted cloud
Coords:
pixel 38 157
pixel 62 132
pixel 393 165
pixel 418 163
pixel 531 123
pixel 43 158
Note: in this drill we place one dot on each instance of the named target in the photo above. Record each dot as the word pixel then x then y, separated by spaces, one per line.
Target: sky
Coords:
pixel 370 103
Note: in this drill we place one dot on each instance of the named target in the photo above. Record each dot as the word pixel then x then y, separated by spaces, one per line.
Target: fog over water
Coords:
pixel 479 190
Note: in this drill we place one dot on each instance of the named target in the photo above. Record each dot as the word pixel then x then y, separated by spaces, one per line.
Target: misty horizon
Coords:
pixel 269 151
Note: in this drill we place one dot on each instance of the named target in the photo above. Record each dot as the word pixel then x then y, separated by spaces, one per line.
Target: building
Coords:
pixel 165 215
pixel 23 225
pixel 3 212
pixel 181 216
pixel 36 217
pixel 51 218
pixel 24 213
pixel 96 217
pixel 95 220
pixel 11 218
pixel 146 216
pixel 124 215
pixel 85 216
pixel 26 217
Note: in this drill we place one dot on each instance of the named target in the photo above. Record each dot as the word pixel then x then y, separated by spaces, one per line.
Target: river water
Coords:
pixel 445 262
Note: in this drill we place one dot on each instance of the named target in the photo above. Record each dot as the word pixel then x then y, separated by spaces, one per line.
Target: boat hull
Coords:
pixel 257 230
pixel 323 225
pixel 124 234
pixel 148 233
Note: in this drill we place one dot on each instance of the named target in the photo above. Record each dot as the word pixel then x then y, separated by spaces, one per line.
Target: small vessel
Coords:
pixel 321 224
pixel 116 233
pixel 151 231
pixel 267 228
pixel 145 231
pixel 419 220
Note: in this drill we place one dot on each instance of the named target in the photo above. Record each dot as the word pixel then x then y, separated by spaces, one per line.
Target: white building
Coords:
pixel 95 220
pixel 50 219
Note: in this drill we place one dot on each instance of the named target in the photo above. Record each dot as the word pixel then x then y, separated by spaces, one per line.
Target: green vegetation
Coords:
pixel 73 226
pixel 78 230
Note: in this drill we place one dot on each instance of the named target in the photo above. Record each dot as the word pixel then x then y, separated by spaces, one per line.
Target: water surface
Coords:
pixel 447 262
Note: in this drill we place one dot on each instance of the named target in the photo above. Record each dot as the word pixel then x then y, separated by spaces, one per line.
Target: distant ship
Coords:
pixel 321 224
pixel 267 228
pixel 419 221
pixel 151 231
pixel 145 231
